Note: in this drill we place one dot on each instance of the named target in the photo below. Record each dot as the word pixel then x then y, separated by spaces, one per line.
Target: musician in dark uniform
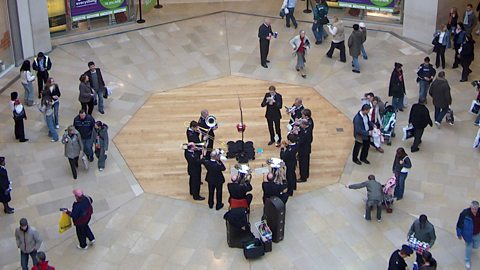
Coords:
pixel 273 102
pixel 215 179
pixel 193 133
pixel 238 191
pixel 210 136
pixel 305 145
pixel 296 110
pixel 288 153
pixel 194 170
pixel 272 189
pixel 265 34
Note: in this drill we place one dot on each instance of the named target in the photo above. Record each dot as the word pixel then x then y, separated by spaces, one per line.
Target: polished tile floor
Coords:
pixel 324 228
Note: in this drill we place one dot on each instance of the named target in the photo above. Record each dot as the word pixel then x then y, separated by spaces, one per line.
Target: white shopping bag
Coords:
pixel 85 161
pixel 408 132
pixel 475 107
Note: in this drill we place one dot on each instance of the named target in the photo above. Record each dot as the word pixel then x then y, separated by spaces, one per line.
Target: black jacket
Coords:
pixel 4 185
pixel 273 111
pixel 238 191
pixel 305 140
pixel 263 32
pixel 202 122
pixel 214 172
pixel 193 136
pixel 440 93
pixel 397 86
pixel 47 64
pixel 468 51
pixel 101 83
pixel 359 131
pixel 425 70
pixel 55 92
pixel 271 189
pixel 84 127
pixel 289 156
pixel 194 163
pixel 420 116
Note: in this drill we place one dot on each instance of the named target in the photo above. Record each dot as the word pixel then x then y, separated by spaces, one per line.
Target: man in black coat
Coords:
pixel 441 97
pixel 42 64
pixel 272 189
pixel 361 132
pixel 194 171
pixel 5 188
pixel 265 34
pixel 305 145
pixel 273 101
pixel 467 55
pixel 419 118
pixel 215 179
pixel 238 191
pixel 396 88
pixel 288 153
pixel 95 78
pixel 193 135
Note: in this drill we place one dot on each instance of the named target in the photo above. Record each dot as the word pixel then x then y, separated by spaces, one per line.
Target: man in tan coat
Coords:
pixel 338 41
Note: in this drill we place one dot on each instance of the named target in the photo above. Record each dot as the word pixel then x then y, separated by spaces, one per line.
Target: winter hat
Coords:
pixel 23 222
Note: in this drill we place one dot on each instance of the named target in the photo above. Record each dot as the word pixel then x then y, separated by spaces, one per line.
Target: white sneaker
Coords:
pixel 52 140
pixel 379 220
pixel 57 126
pixel 437 124
pixel 85 248
pixel 467 265
pixel 92 242
pixel 101 169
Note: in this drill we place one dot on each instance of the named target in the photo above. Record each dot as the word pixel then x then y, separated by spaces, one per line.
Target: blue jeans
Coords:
pixel 318 32
pixel 100 99
pixel 87 147
pixel 356 64
pixel 469 246
pixel 400 187
pixel 28 93
pixel 364 53
pixel 397 103
pixel 24 259
pixel 423 89
pixel 477 120
pixel 440 113
pixel 56 106
pixel 52 132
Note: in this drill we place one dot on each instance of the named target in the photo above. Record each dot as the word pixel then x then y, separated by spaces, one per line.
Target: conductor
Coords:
pixel 273 101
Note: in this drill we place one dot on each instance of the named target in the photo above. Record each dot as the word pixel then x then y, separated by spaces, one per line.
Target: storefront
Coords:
pixel 6 49
pixel 388 11
pixel 73 16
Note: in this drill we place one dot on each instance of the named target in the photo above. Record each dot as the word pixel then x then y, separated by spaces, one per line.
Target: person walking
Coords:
pixel 18 116
pixel 273 101
pixel 81 214
pixel 396 88
pixel 468 230
pixel 459 38
pixel 419 118
pixel 5 188
pixel 363 29
pixel 441 41
pixel 86 95
pixel 401 166
pixel 397 259
pixel 290 5
pixel 374 196
pixel 84 124
pixel 73 147
pixel 361 132
pixel 42 64
pixel 320 12
pixel 425 75
pixel 100 135
pixel 467 55
pixel 355 42
pixel 51 89
pixel 46 106
pixel 42 263
pixel 442 99
pixel 338 39
pixel 215 179
pixel 28 241
pixel 301 45
pixel 423 231
pixel 95 79
pixel 265 34
pixel 469 19
pixel 26 78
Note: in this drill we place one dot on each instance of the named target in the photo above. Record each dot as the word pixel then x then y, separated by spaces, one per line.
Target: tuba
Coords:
pixel 211 121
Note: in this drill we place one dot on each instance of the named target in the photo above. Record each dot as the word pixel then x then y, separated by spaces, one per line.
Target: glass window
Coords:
pixel 365 10
pixel 6 49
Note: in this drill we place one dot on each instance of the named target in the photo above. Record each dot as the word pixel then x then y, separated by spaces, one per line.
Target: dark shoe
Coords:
pixel 400 110
pixel 296 26
pixel 210 206
pixel 265 66
pixel 329 56
pixel 8 211
pixel 271 142
pixel 304 76
pixel 455 66
pixel 318 42
pixel 379 149
pixel 102 112
pixel 268 61
pixel 365 161
pixel 90 159
pixel 24 140
pixel 462 80
pixel 199 198
pixel 219 206
pixel 356 71
pixel 298 69
pixel 356 161
pixel 301 180
pixel 288 26
pixel 414 150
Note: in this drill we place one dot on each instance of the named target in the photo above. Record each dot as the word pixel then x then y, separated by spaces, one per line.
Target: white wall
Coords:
pixel 420 19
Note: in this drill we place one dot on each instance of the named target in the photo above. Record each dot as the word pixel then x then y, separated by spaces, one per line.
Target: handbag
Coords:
pixel 253 249
pixel 85 161
pixel 408 132
pixel 475 107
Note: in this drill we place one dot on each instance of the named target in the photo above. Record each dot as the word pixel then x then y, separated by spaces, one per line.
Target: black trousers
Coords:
pixel 368 210
pixel 42 77
pixel 466 69
pixel 84 232
pixel 278 131
pixel 73 166
pixel 264 47
pixel 291 180
pixel 211 192
pixel 456 61
pixel 304 163
pixel 89 105
pixel 340 46
pixel 290 16
pixel 417 138
pixel 365 145
pixel 440 56
pixel 194 184
pixel 19 130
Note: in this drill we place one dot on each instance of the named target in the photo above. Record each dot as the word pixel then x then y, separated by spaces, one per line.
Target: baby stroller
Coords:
pixel 389 119
pixel 388 193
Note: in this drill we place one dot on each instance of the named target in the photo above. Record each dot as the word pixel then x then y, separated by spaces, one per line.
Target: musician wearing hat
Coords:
pixel 272 189
pixel 194 169
pixel 81 214
pixel 209 136
pixel 288 153
pixel 273 102
pixel 215 179
pixel 397 259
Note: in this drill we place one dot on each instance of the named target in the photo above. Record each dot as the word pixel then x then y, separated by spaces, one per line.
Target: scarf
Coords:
pixel 467 15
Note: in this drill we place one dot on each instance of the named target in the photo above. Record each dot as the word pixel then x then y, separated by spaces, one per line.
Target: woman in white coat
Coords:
pixel 300 44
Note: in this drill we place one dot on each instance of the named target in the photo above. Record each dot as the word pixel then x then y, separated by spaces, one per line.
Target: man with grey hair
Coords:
pixel 374 196
pixel 468 229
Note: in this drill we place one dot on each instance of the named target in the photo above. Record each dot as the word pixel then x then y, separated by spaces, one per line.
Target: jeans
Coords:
pixel 469 246
pixel 100 154
pixel 356 64
pixel 319 32
pixel 291 16
pixel 100 99
pixel 364 53
pixel 397 103
pixel 52 132
pixel 28 93
pixel 477 120
pixel 400 187
pixel 440 113
pixel 24 259
pixel 84 232
pixel 56 106
pixel 423 89
pixel 368 210
pixel 87 148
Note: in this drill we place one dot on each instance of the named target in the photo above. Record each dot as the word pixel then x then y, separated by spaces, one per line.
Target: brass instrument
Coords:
pixel 184 146
pixel 211 121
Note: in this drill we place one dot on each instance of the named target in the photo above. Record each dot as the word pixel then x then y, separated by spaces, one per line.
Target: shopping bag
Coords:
pixel 449 117
pixel 405 101
pixel 476 142
pixel 475 107
pixel 85 161
pixel 408 132
pixel 64 223
pixel 109 91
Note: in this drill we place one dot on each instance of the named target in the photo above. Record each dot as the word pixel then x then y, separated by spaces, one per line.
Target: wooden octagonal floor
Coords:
pixel 150 141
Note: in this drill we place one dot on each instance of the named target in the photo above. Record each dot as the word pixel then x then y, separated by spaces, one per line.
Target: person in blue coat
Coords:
pixel 468 229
